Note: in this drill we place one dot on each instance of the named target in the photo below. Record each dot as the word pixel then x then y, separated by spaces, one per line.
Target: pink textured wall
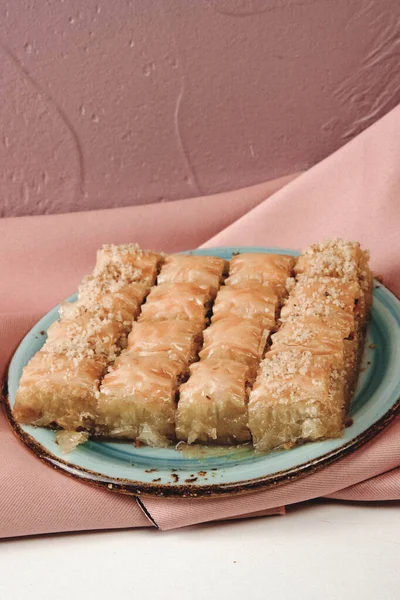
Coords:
pixel 107 103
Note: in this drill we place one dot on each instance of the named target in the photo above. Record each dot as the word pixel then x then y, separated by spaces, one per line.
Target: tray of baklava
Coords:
pixel 210 372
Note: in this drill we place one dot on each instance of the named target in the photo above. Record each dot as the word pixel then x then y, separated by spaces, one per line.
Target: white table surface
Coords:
pixel 317 551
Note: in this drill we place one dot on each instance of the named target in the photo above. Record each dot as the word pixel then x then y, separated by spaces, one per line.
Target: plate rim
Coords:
pixel 212 490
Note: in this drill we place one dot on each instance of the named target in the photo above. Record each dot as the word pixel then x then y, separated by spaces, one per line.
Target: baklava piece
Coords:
pixel 259 304
pixel 178 339
pixel 297 397
pixel 177 301
pixel 207 271
pixel 213 403
pixel 59 390
pixel 137 399
pixel 270 270
pixel 235 339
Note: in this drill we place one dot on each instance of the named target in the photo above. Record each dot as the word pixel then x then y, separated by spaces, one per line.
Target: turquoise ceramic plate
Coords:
pixel 202 471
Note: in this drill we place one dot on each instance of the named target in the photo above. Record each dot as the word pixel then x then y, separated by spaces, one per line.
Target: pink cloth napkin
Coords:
pixel 355 194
